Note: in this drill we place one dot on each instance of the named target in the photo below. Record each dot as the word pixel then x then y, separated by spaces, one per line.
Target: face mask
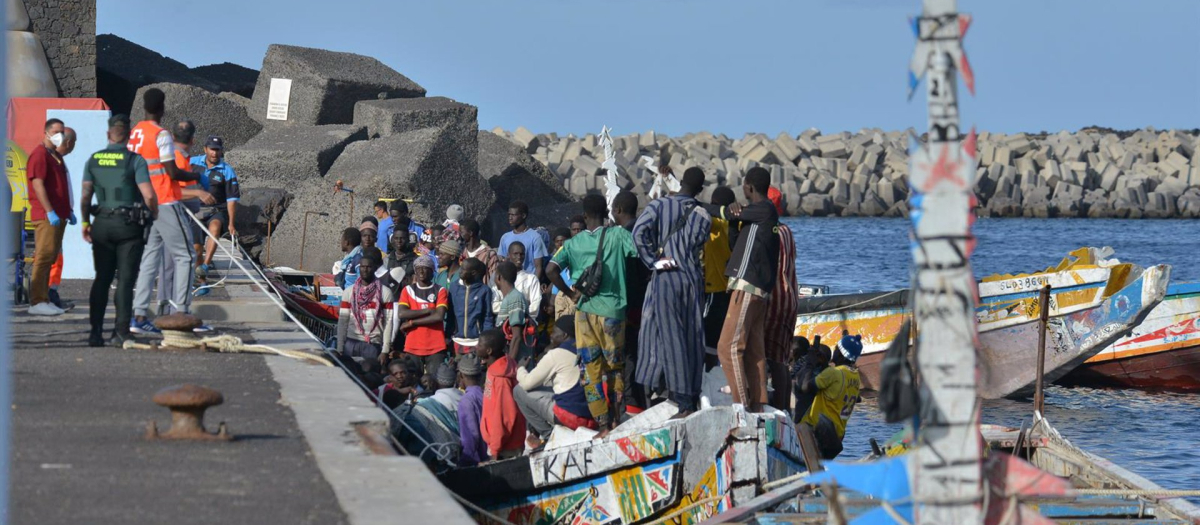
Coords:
pixel 56 139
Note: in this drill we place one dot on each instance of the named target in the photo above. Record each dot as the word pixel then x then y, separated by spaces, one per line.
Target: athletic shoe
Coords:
pixel 202 271
pixel 46 308
pixel 201 292
pixel 146 327
pixel 95 340
pixel 202 329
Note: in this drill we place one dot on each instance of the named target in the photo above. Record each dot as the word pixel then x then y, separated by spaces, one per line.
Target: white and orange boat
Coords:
pixel 1094 301
pixel 1162 353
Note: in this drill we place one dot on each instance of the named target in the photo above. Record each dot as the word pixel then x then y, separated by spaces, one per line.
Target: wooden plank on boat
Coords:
pixel 808 448
pixel 760 503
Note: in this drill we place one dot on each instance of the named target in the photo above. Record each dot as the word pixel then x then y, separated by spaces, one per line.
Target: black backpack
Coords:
pixel 588 284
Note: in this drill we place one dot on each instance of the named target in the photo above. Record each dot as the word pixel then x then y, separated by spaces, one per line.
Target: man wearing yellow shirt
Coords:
pixel 717 251
pixel 837 392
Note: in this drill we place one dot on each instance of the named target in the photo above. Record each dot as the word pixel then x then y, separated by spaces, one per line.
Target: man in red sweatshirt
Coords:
pixel 502 424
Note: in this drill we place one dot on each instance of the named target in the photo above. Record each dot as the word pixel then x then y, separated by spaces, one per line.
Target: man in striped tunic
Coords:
pixel 781 321
pixel 670 235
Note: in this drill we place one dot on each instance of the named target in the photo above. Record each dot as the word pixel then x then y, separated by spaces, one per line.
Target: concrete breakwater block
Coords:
pixel 514 175
pixel 435 167
pixel 326 84
pixel 123 67
pixel 229 77
pixel 384 118
pixel 283 156
pixel 212 114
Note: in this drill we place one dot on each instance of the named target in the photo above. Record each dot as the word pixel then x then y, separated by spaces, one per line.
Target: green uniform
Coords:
pixel 117 240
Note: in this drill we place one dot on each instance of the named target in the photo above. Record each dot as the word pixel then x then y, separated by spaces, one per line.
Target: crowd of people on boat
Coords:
pixel 482 349
pixel 492 348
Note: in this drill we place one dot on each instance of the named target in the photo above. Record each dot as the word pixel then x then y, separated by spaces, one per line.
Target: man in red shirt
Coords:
pixel 421 310
pixel 50 210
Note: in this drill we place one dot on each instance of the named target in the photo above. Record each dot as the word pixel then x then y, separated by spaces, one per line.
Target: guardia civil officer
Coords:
pixel 125 205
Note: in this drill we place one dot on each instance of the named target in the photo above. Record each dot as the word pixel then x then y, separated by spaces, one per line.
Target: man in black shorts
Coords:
pixel 223 185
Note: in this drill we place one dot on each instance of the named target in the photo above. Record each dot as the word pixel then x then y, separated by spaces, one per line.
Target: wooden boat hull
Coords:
pixel 1163 352
pixel 1085 319
pixel 692 468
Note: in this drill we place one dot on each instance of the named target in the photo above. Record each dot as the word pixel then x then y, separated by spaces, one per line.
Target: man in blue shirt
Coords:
pixel 222 183
pixel 385 225
pixel 535 245
pixel 398 218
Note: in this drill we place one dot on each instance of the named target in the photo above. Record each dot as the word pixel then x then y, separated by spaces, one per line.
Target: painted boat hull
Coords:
pixel 694 468
pixel 1081 325
pixel 1163 352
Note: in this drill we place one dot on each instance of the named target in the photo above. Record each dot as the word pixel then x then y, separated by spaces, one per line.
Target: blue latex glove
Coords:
pixel 53 218
pixel 72 220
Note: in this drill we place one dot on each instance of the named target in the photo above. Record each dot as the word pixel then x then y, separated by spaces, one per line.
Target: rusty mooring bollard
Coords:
pixel 178 321
pixel 187 404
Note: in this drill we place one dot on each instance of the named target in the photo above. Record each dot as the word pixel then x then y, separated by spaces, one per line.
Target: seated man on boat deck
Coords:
pixel 434 417
pixel 364 319
pixel 837 392
pixel 470 412
pixel 551 393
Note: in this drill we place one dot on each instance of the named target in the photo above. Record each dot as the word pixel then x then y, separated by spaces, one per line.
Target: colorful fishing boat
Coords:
pixel 648 469
pixel 1094 301
pixel 1163 352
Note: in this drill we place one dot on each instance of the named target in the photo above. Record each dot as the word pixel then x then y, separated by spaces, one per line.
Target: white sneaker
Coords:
pixel 46 308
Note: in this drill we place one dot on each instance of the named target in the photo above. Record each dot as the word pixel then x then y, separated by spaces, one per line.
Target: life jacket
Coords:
pixel 143 140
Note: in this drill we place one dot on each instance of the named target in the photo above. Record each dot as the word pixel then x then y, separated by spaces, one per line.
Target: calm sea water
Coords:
pixel 1156 435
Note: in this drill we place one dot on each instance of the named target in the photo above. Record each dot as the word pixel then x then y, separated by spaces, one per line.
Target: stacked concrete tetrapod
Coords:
pixel 1090 173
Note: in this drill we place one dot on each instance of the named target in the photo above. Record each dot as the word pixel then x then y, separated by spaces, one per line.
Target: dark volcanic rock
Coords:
pixel 229 77
pixel 212 114
pixel 433 166
pixel 122 67
pixel 284 156
pixel 259 211
pixel 514 175
pixel 389 117
pixel 326 84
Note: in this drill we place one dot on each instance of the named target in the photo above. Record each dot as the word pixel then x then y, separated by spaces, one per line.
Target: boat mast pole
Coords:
pixel 945 468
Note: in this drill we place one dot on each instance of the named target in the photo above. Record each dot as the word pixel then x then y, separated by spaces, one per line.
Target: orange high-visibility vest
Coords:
pixel 143 140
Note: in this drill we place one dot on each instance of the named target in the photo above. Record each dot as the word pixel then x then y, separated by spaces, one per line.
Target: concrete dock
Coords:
pixel 299 455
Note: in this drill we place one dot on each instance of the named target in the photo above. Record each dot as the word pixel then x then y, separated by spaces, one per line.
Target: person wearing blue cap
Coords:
pixel 837 392
pixel 222 182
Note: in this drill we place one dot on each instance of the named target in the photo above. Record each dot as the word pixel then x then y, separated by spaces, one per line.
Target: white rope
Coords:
pixel 256 283
pixel 179 339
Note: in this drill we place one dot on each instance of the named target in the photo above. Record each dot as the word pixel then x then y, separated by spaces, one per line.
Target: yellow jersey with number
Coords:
pixel 838 389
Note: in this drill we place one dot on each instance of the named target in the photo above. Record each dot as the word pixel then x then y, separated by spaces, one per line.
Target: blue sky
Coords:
pixel 731 66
